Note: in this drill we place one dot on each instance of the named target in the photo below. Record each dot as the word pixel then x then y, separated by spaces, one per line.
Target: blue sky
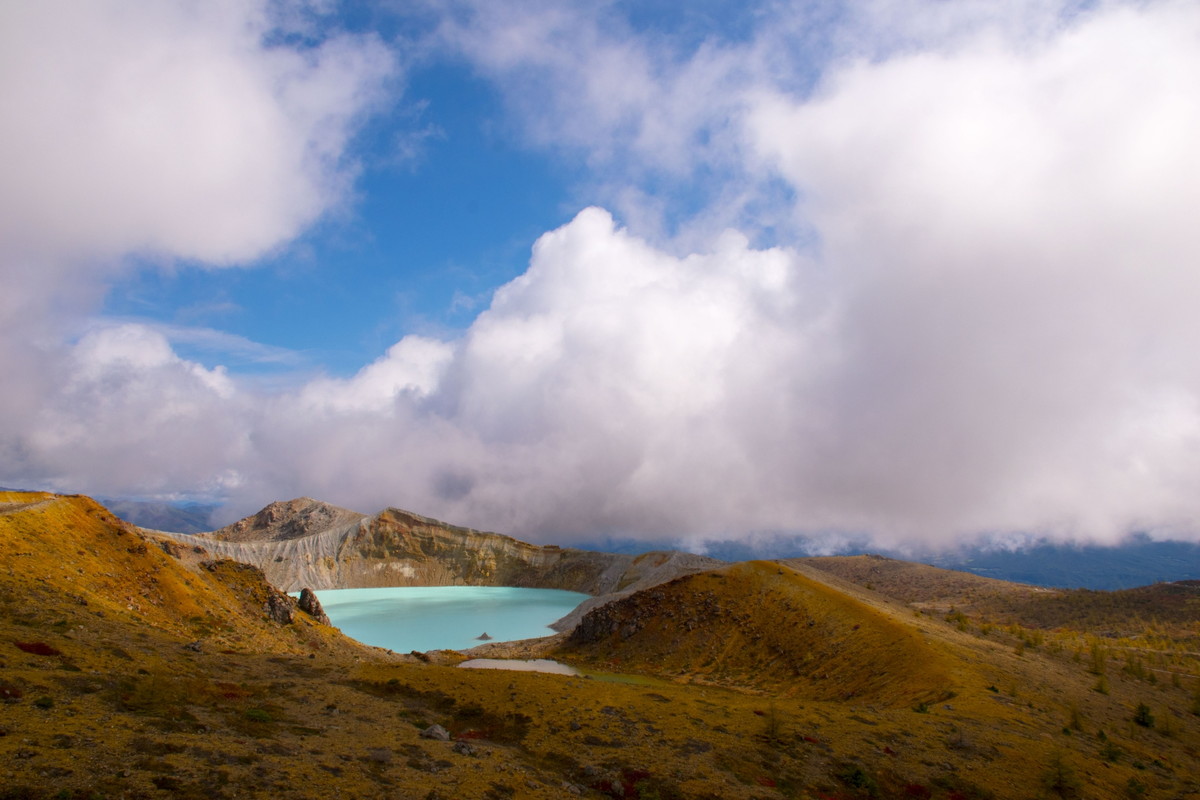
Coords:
pixel 902 272
pixel 426 237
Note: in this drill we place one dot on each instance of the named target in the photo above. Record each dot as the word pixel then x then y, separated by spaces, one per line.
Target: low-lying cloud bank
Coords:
pixel 983 327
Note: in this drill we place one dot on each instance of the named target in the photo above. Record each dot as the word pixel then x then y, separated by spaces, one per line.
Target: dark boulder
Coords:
pixel 310 605
pixel 279 608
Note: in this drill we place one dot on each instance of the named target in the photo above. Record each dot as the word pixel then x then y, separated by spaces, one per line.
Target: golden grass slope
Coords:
pixel 63 551
pixel 760 624
pixel 101 696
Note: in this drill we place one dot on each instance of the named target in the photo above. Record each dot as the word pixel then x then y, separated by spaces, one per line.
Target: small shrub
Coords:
pixel 1101 685
pixel 1143 717
pixel 1098 656
pixel 1075 722
pixel 855 777
pixel 921 707
pixel 1134 667
pixel 1060 778
pixel 44 702
pixel 258 715
pixel 1135 789
pixel 773 725
pixel 958 619
pixel 1110 753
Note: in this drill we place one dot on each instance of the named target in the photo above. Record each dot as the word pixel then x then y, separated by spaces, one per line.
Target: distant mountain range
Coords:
pixel 164 516
pixel 1138 562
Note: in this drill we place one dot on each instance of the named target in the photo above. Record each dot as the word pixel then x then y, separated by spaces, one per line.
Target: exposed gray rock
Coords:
pixel 399 548
pixel 290 519
pixel 437 733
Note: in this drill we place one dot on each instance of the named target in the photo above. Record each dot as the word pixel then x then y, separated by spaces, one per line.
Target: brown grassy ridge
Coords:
pixel 1171 606
pixel 763 625
pixel 117 706
pixel 57 551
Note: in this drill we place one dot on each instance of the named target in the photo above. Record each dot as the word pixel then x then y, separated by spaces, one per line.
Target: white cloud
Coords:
pixel 170 129
pixel 411 370
pixel 1010 226
pixel 981 322
pixel 611 387
pixel 127 410
pixel 991 335
pixel 164 130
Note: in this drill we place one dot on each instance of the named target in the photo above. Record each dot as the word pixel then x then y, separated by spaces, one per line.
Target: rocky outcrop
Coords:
pixel 279 608
pixel 399 548
pixel 290 519
pixel 310 605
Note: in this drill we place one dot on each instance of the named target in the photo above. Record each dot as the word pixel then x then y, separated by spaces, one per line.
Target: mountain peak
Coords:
pixel 287 519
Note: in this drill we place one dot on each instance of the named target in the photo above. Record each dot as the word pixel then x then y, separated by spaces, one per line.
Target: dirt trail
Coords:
pixel 12 508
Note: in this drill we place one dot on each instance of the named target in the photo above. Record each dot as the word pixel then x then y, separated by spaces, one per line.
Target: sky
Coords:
pixel 915 273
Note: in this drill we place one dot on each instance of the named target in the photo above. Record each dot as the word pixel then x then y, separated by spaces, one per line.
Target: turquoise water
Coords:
pixel 445 617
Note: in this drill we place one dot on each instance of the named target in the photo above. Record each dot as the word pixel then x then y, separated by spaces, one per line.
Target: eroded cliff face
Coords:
pixel 399 548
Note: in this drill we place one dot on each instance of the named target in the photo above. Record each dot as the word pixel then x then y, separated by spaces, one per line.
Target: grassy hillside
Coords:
pixel 1174 607
pixel 762 625
pixel 130 671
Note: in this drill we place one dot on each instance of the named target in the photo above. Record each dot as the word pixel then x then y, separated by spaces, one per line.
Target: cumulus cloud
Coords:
pixel 171 129
pixel 611 387
pixel 126 406
pixel 167 131
pixel 1008 218
pixel 976 320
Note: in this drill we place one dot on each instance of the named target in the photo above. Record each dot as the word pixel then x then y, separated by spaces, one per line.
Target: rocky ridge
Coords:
pixel 304 543
pixel 290 519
